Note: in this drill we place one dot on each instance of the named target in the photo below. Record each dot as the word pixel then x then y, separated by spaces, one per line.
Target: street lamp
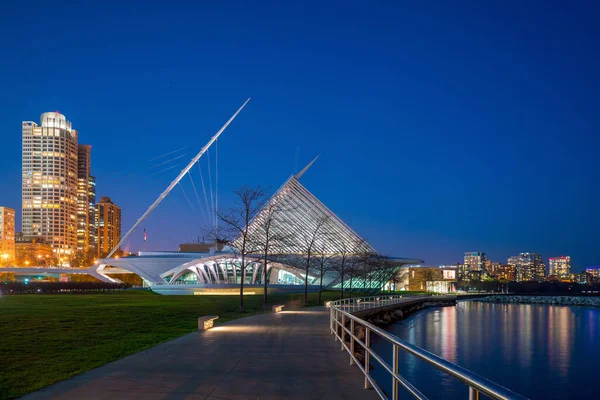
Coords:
pixel 27 263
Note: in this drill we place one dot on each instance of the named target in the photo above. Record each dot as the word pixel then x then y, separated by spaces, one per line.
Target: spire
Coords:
pixel 299 174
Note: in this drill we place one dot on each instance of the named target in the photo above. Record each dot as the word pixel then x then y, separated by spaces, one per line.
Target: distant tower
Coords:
pixel 49 182
pixel 108 219
pixel 86 201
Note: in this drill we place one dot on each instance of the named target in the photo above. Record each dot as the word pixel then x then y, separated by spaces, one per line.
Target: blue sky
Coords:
pixel 443 128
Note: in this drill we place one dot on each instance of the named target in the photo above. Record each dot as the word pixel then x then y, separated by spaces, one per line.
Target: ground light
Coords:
pixel 206 322
pixel 278 308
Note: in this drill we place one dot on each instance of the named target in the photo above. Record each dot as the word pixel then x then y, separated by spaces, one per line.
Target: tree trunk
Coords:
pixel 342 278
pixel 265 269
pixel 320 286
pixel 242 284
pixel 306 278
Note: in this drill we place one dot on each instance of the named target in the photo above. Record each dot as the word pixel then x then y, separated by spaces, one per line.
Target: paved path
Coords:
pixel 289 355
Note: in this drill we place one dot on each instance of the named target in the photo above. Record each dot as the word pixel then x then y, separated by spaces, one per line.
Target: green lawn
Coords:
pixel 47 338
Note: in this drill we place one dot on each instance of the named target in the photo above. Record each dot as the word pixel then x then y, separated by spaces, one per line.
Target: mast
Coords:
pixel 176 181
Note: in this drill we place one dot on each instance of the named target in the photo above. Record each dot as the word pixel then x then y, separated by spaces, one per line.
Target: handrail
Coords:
pixel 341 313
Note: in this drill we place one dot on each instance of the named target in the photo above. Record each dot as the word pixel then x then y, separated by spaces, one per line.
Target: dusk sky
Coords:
pixel 443 128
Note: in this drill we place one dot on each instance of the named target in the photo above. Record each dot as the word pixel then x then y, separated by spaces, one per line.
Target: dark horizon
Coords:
pixel 442 129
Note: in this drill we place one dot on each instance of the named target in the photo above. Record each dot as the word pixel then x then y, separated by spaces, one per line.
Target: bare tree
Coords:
pixel 324 262
pixel 237 220
pixel 341 262
pixel 268 237
pixel 309 240
pixel 352 270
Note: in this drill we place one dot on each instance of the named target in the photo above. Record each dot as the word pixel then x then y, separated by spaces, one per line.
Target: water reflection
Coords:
pixel 540 351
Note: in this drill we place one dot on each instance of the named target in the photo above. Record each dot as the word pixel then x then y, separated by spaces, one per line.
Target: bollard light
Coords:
pixel 328 304
pixel 206 322
pixel 278 308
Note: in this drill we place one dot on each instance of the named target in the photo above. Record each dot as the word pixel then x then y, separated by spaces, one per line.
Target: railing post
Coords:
pixel 343 332
pixel 335 335
pixel 352 342
pixel 473 393
pixel 367 356
pixel 395 370
pixel 331 320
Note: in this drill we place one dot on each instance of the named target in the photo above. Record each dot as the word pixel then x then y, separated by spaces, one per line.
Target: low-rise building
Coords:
pixel 32 251
pixel 7 235
pixel 430 279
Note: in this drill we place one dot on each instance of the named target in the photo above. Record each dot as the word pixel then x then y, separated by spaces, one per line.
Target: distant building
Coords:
pixel 201 247
pixel 506 272
pixel 7 234
pixel 528 267
pixel 492 267
pixel 593 273
pixel 86 201
pixel 463 272
pixel 33 251
pixel 431 279
pixel 560 266
pixel 476 263
pixel 108 218
pixel 49 182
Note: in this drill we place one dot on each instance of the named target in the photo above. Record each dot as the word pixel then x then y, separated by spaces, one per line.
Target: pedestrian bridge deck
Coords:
pixel 288 355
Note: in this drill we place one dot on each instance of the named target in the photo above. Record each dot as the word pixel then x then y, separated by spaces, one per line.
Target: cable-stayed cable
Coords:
pixel 166 154
pixel 187 198
pixel 197 196
pixel 166 162
pixel 212 202
pixel 204 190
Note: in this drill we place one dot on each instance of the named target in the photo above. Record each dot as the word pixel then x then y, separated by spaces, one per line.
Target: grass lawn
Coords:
pixel 47 338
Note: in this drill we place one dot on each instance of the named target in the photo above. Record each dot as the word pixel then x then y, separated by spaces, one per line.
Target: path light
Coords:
pixel 278 308
pixel 206 322
pixel 328 304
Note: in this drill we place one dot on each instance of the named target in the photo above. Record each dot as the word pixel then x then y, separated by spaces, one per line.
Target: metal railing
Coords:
pixel 341 314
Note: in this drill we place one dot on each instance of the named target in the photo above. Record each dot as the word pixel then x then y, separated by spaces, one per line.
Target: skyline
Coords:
pixel 469 193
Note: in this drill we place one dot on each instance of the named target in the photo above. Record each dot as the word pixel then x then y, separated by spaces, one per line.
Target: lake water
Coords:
pixel 538 351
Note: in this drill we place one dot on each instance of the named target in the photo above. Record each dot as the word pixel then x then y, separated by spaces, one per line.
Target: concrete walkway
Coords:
pixel 289 355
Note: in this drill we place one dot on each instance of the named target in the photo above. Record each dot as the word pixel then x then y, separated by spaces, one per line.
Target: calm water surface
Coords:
pixel 538 351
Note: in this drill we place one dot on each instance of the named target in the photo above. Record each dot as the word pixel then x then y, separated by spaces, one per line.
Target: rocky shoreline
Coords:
pixel 387 317
pixel 553 300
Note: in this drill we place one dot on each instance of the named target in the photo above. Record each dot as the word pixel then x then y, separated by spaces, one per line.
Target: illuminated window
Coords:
pixel 449 274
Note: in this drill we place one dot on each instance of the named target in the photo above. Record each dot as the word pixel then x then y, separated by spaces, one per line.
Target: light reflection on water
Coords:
pixel 539 351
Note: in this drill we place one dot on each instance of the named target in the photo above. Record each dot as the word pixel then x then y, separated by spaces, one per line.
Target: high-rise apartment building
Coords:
pixel 560 266
pixel 86 201
pixel 108 218
pixel 476 262
pixel 528 267
pixel 49 182
pixel 7 234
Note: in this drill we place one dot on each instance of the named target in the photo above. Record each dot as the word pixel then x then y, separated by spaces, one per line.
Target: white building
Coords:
pixel 49 196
